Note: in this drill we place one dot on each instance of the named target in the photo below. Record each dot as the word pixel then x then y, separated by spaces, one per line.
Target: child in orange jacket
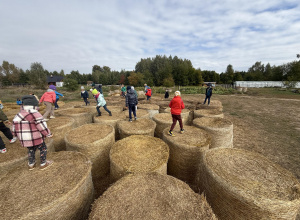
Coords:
pixel 176 106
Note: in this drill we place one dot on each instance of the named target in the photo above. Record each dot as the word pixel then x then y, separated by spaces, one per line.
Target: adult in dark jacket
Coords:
pixel 85 95
pixel 131 102
pixel 167 94
pixel 208 94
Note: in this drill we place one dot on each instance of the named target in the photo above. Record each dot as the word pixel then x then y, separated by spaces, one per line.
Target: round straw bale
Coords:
pixel 214 104
pixel 220 129
pixel 151 196
pixel 151 108
pixel 110 120
pixel 81 115
pixel 186 114
pixel 240 184
pixel 63 191
pixel 186 151
pixel 138 154
pixel 72 104
pixel 141 113
pixel 141 126
pixel 17 155
pixel 208 113
pixel 59 126
pixel 94 141
pixel 163 120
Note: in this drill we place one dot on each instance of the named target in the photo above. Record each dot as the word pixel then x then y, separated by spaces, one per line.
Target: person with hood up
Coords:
pixel 49 98
pixel 31 129
pixel 176 106
pixel 131 102
pixel 100 102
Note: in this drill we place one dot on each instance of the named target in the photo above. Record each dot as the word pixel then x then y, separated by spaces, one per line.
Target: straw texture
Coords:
pixel 141 126
pixel 140 113
pixel 151 196
pixel 240 184
pixel 151 108
pixel 208 113
pixel 81 115
pixel 186 151
pixel 186 115
pixel 63 191
pixel 220 129
pixel 138 154
pixel 94 141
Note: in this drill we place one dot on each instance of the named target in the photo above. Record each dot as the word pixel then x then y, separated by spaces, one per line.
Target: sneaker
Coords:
pixel 31 166
pixel 55 108
pixel 110 114
pixel 181 131
pixel 13 140
pixel 46 119
pixel 98 115
pixel 52 116
pixel 171 134
pixel 46 165
pixel 130 120
pixel 3 151
pixel 135 118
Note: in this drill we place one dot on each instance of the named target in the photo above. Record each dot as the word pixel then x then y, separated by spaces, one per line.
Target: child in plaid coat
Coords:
pixel 31 129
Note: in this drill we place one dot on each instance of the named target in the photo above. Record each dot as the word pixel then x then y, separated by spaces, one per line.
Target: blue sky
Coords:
pixel 75 35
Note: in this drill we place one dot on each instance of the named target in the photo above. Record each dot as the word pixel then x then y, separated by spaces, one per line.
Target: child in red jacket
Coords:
pixel 176 106
pixel 49 99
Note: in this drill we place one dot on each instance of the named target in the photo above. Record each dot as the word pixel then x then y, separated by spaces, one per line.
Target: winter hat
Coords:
pixel 53 87
pixel 177 93
pixel 132 88
pixel 82 87
pixel 95 92
pixel 128 87
pixel 30 100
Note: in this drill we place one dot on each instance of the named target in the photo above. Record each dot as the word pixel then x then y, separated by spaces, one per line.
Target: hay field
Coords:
pixel 269 125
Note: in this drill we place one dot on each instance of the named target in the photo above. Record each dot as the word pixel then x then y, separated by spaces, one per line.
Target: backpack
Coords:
pixel 149 92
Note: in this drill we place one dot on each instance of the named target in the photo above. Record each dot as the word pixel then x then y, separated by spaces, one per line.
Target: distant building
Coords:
pixel 55 80
pixel 261 84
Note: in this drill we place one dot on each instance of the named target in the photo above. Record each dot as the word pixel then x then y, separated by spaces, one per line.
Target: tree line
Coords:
pixel 156 71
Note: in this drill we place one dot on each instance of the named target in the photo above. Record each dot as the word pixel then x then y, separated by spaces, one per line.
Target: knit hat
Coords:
pixel 177 93
pixel 132 88
pixel 82 87
pixel 95 92
pixel 128 87
pixel 53 87
pixel 30 100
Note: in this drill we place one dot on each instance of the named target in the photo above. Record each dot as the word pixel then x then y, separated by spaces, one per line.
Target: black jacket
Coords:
pixel 166 95
pixel 84 95
pixel 208 91
pixel 131 98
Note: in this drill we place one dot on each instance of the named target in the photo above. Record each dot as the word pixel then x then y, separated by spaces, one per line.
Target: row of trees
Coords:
pixel 156 71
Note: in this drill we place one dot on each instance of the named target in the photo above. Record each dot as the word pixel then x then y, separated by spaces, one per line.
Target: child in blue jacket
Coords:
pixel 57 96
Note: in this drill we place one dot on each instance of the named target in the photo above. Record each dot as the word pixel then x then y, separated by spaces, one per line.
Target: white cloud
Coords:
pixel 75 35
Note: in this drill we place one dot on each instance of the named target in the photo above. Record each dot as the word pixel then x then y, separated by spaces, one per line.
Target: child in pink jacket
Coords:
pixel 49 98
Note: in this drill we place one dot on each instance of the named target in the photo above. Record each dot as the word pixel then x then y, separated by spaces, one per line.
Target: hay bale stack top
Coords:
pixel 141 126
pixel 42 194
pixel 186 151
pixel 148 106
pixel 141 113
pixel 151 196
pixel 241 184
pixel 220 129
pixel 81 115
pixel 163 120
pixel 138 154
pixel 208 113
pixel 186 115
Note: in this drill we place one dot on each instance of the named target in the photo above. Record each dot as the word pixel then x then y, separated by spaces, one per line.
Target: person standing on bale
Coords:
pixel 131 102
pixel 148 93
pixel 100 102
pixel 49 98
pixel 57 94
pixel 5 130
pixel 85 95
pixel 208 93
pixel 176 106
pixel 31 129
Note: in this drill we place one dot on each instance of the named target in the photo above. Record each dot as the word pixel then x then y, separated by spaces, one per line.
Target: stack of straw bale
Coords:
pixel 62 191
pixel 81 115
pixel 94 141
pixel 208 113
pixel 59 127
pixel 240 184
pixel 151 196
pixel 151 108
pixel 138 154
pixel 220 129
pixel 141 126
pixel 186 152
pixel 214 104
pixel 186 115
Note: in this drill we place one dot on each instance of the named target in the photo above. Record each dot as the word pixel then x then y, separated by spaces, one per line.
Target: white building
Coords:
pixel 261 84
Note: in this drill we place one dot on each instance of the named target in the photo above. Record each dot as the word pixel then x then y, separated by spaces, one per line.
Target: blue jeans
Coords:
pixel 148 97
pixel 207 97
pixel 132 110
pixel 105 108
pixel 55 103
pixel 86 101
